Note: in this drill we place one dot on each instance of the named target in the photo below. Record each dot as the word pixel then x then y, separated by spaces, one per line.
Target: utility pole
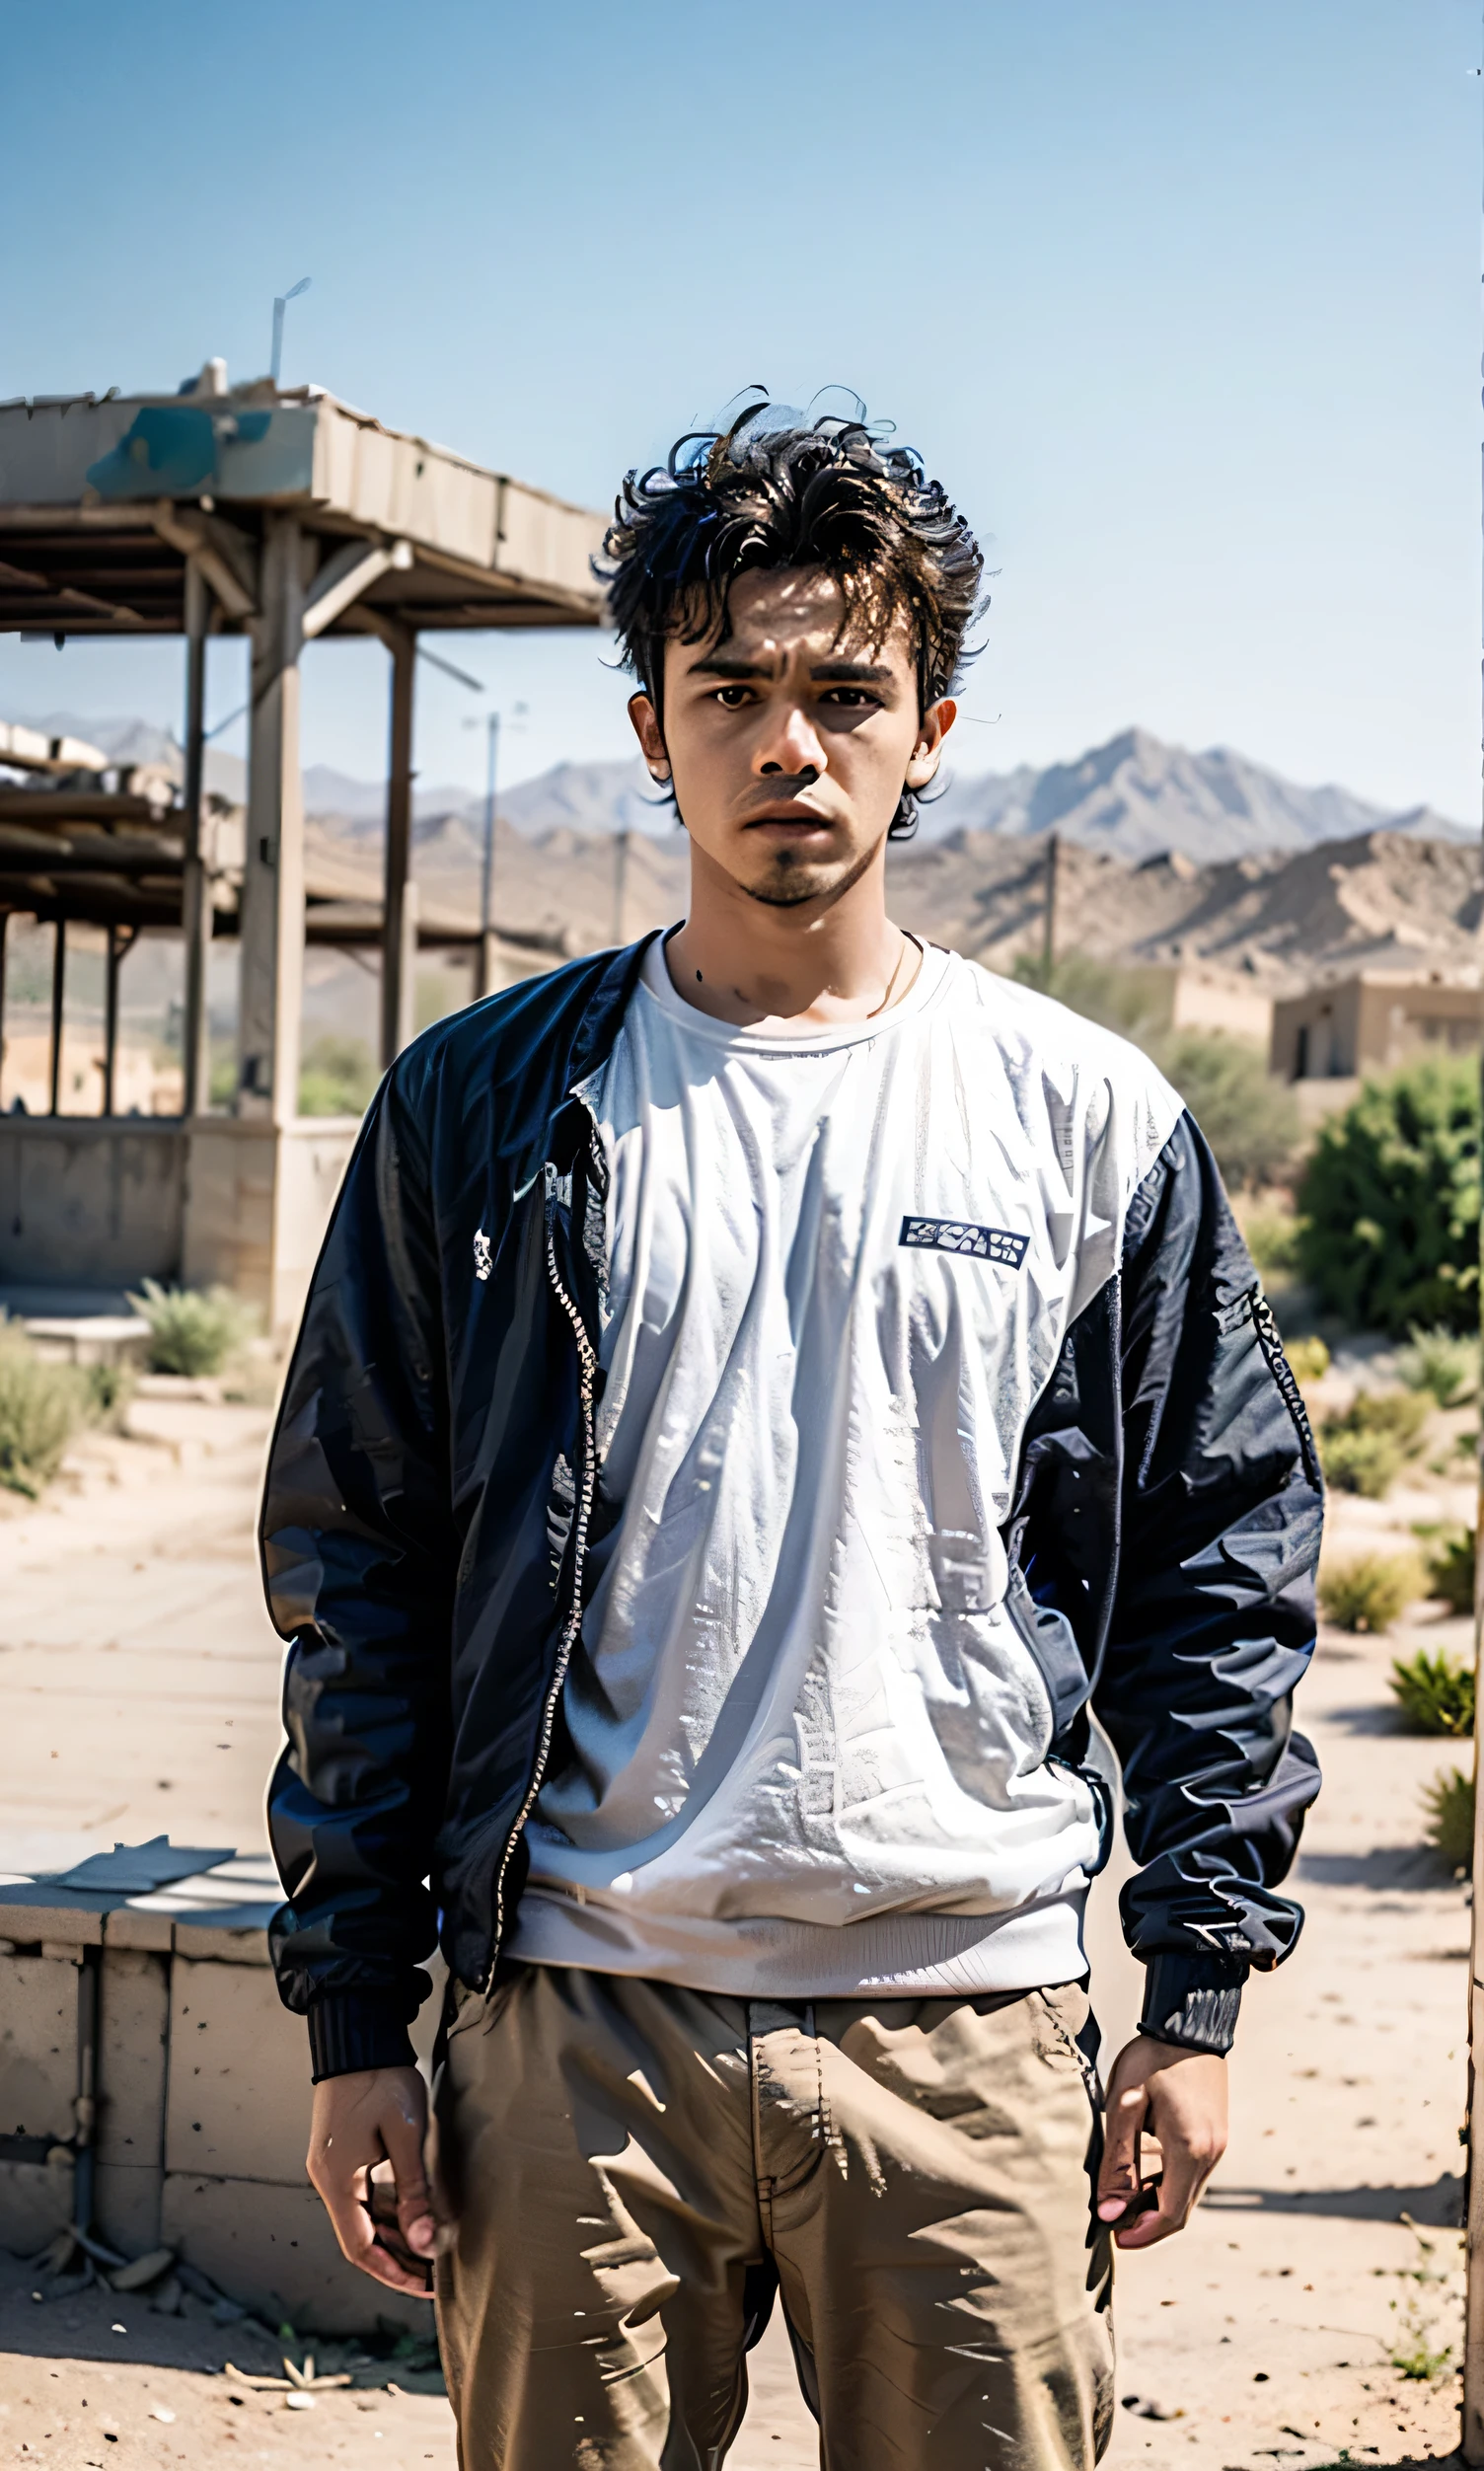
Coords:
pixel 485 967
pixel 619 882
pixel 276 360
pixel 1049 913
pixel 1473 2184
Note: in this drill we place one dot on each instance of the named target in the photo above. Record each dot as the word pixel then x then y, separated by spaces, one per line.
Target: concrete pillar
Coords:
pixel 399 946
pixel 272 893
pixel 196 894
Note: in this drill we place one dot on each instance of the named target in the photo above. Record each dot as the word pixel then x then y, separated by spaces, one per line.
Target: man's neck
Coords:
pixel 775 967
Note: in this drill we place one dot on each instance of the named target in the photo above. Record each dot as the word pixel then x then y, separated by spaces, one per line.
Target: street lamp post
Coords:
pixel 486 964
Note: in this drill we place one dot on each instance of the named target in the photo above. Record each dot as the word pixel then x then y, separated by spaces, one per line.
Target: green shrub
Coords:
pixel 1308 1360
pixel 1272 1238
pixel 1401 1415
pixel 192 1331
pixel 1370 1590
pixel 1361 1451
pixel 1250 1120
pixel 41 1407
pixel 1451 1571
pixel 1367 1464
pixel 1449 1805
pixel 107 1391
pixel 1435 1693
pixel 1442 1362
pixel 1390 1201
pixel 337 1076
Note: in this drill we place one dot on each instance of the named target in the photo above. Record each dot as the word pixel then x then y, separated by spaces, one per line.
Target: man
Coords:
pixel 761 1390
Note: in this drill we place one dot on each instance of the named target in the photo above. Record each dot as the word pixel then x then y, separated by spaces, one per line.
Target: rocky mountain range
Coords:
pixel 1134 799
pixel 1163 857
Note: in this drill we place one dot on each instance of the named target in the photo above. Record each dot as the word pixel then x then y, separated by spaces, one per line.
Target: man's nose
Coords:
pixel 793 745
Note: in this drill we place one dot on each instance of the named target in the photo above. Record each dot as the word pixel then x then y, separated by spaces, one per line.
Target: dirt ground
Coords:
pixel 140 1690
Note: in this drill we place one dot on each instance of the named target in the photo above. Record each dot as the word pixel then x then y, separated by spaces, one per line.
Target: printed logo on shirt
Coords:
pixel 482 1259
pixel 984 1243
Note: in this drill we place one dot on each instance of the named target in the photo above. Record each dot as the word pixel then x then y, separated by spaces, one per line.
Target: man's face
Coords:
pixel 789 748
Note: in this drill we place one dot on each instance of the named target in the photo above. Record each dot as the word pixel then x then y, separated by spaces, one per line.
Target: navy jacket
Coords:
pixel 432 1473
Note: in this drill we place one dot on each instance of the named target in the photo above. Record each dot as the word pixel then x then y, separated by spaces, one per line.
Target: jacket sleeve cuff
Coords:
pixel 1192 2000
pixel 356 2029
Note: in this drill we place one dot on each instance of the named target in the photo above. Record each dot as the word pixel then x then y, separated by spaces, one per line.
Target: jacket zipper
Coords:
pixel 588 1370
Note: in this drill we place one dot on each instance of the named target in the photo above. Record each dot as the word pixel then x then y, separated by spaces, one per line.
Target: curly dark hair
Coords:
pixel 779 490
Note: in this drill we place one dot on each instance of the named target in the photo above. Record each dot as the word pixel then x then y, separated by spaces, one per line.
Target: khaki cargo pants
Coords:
pixel 636 2168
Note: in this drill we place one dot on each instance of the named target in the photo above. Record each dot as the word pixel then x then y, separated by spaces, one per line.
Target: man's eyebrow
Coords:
pixel 840 672
pixel 729 665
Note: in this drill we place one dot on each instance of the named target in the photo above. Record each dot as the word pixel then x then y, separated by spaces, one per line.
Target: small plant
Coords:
pixel 1434 1693
pixel 1367 1464
pixel 1449 1802
pixel 1272 1237
pixel 1308 1360
pixel 1451 1571
pixel 1369 1591
pixel 41 1407
pixel 1416 2352
pixel 1361 1451
pixel 192 1331
pixel 1442 1362
pixel 1390 1201
pixel 107 1391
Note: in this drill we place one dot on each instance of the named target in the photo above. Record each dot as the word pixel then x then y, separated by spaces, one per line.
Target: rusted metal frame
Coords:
pixel 195 889
pixel 58 1009
pixel 121 943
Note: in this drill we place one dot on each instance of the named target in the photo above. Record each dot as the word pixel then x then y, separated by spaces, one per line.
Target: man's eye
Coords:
pixel 733 697
pixel 850 697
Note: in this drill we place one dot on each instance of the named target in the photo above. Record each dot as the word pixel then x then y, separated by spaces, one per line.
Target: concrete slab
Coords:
pixel 273 2248
pixel 37 2048
pixel 239 2100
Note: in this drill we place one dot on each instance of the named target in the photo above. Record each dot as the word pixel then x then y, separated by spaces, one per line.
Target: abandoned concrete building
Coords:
pixel 284 515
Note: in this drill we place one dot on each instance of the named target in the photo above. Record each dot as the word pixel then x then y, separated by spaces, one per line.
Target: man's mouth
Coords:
pixel 791 818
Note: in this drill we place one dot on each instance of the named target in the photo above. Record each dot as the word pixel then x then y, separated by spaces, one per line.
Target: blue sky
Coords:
pixel 1180 301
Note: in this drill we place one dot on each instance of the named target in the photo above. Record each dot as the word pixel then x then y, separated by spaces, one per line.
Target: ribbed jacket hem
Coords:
pixel 349 2030
pixel 1192 2000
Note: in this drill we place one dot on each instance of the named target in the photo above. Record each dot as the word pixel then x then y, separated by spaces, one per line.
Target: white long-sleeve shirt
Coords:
pixel 805 1738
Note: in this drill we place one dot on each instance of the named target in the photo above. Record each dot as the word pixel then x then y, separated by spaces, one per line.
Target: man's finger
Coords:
pixel 403 2132
pixel 1118 2180
pixel 347 2207
pixel 1185 2175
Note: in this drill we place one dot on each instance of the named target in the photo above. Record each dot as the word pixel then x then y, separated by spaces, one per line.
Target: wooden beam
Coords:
pixel 58 810
pixel 223 555
pixel 271 909
pixel 345 577
pixel 398 982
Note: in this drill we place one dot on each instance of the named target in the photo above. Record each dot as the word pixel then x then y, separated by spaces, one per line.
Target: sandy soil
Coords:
pixel 140 1683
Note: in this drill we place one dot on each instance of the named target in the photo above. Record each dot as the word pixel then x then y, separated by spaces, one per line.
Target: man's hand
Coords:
pixel 376 2117
pixel 1179 2100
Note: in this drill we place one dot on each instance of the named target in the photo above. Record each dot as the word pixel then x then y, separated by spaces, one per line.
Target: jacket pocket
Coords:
pixel 1049 1639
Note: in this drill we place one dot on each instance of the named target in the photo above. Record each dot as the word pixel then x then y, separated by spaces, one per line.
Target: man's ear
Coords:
pixel 928 753
pixel 648 730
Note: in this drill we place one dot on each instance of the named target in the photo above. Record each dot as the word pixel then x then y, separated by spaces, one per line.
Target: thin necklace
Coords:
pixel 906 940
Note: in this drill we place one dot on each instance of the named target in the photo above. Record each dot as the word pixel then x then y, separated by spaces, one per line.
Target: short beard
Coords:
pixel 776 892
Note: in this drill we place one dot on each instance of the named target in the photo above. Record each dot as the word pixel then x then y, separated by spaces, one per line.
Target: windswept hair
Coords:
pixel 778 489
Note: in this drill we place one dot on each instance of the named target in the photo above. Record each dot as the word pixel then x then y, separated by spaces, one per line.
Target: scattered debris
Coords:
pixel 1144 2406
